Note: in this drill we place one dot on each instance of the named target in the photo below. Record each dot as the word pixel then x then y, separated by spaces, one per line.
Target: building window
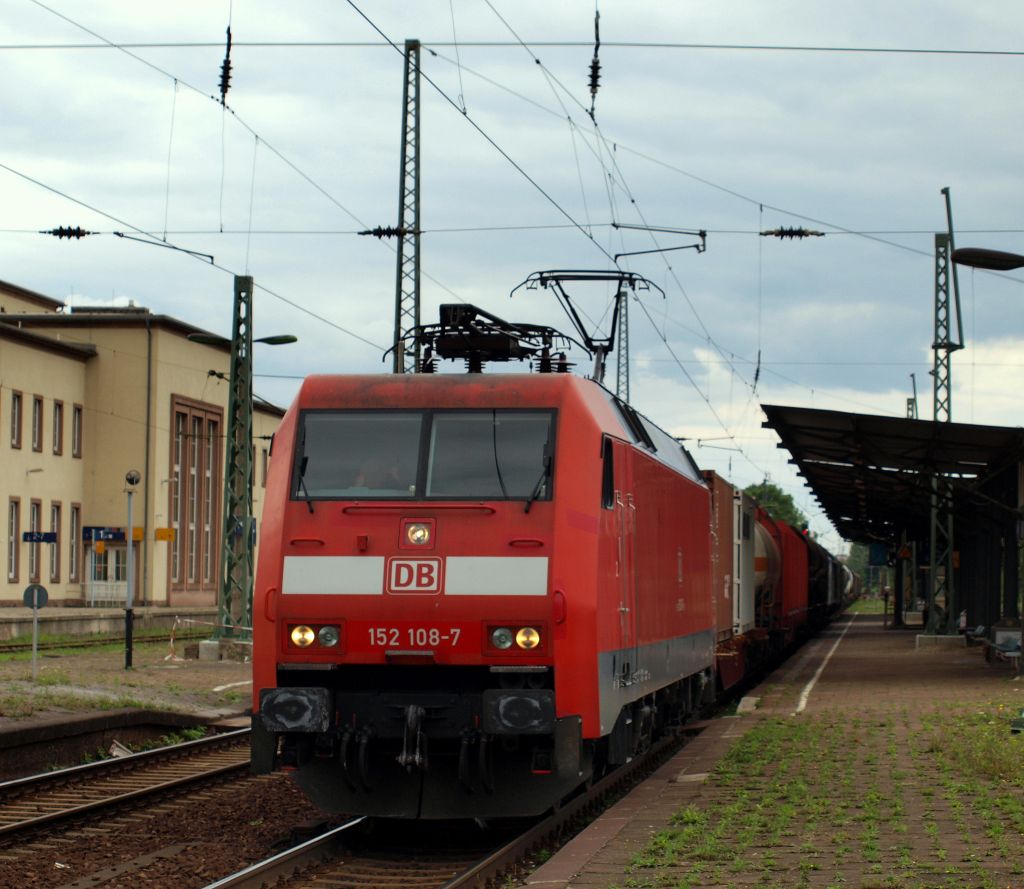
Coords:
pixel 58 427
pixel 193 494
pixel 55 546
pixel 175 493
pixel 13 538
pixel 196 478
pixel 76 431
pixel 209 499
pixel 37 423
pixel 74 535
pixel 35 515
pixel 15 419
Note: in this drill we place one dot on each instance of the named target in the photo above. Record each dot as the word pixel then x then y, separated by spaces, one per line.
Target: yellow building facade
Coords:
pixel 87 396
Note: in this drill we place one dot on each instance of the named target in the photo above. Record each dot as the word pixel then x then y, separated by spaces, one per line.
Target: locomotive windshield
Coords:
pixel 403 455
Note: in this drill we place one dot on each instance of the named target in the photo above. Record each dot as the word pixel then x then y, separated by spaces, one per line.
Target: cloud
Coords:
pixel 732 141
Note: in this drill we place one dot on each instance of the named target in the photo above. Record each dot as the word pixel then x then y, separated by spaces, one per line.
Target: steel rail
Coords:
pixel 15 827
pixel 287 863
pixel 119 763
pixel 505 861
pixel 500 863
pixel 23 792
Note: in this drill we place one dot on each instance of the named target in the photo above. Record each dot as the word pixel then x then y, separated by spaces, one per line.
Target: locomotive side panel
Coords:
pixel 656 613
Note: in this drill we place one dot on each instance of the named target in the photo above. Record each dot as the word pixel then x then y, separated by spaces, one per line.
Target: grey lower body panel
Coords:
pixel 628 674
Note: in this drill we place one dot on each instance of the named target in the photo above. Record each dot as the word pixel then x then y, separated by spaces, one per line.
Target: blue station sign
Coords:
pixel 93 533
pixel 39 536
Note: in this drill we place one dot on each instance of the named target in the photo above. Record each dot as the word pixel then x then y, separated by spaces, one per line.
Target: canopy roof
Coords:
pixel 872 474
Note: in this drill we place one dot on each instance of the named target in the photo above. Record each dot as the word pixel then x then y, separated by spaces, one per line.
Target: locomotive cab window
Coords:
pixel 495 455
pixel 358 455
pixel 412 455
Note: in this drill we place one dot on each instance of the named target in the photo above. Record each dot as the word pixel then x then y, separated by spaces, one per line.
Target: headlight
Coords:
pixel 501 637
pixel 303 636
pixel 417 533
pixel 527 637
pixel 328 636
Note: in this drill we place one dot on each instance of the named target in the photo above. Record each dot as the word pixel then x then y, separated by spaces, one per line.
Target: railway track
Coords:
pixel 343 858
pixel 9 647
pixel 41 800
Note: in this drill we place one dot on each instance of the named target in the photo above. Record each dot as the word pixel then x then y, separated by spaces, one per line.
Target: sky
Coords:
pixel 734 117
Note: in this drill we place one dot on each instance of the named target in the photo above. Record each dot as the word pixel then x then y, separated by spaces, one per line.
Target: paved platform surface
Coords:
pixel 856 670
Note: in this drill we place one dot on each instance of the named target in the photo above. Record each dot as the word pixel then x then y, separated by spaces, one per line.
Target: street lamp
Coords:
pixel 239 528
pixel 983 258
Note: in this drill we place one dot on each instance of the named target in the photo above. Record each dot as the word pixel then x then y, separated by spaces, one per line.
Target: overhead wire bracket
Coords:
pixel 701 235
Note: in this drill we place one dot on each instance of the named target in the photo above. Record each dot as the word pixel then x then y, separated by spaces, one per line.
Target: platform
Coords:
pixel 873 696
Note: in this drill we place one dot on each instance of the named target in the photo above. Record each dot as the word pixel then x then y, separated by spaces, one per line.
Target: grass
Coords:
pixel 21 705
pixel 815 799
pixel 181 736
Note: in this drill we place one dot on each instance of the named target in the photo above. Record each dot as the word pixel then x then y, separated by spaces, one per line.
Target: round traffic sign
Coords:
pixel 35 595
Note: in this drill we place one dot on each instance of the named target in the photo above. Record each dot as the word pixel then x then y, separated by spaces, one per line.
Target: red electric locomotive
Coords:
pixel 473 592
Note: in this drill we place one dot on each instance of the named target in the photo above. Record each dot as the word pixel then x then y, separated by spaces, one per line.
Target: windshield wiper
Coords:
pixel 302 482
pixel 537 488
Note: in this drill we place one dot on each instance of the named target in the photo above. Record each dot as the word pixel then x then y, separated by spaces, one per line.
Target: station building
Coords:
pixel 86 396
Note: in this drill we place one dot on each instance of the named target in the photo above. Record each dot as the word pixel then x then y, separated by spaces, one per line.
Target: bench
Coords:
pixel 1004 646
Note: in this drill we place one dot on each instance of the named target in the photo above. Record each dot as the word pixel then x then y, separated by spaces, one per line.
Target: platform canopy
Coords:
pixel 872 474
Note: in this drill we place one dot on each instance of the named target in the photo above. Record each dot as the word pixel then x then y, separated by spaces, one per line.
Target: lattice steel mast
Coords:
pixel 941 585
pixel 238 540
pixel 407 285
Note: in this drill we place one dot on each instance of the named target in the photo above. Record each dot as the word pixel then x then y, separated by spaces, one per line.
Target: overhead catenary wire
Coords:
pixel 148 237
pixel 268 146
pixel 696 388
pixel 611 170
pixel 613 174
pixel 466 116
pixel 455 41
pixel 589 222
pixel 553 44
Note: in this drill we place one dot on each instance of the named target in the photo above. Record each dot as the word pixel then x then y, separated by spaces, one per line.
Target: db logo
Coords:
pixel 414 576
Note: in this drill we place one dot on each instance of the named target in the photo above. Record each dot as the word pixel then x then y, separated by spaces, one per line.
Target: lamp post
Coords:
pixel 998 261
pixel 239 528
pixel 131 479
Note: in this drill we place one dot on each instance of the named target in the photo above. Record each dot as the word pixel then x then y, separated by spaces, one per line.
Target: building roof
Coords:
pixel 11 331
pixel 44 302
pixel 872 474
pixel 104 317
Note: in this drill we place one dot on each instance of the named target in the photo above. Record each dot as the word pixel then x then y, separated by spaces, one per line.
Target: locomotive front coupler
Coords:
pixel 414 741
